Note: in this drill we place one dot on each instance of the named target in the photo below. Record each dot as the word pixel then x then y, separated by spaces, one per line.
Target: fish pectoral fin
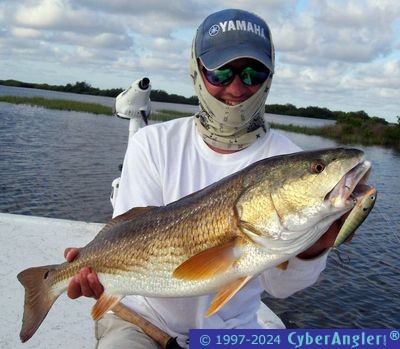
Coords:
pixel 283 265
pixel 225 294
pixel 210 262
pixel 104 303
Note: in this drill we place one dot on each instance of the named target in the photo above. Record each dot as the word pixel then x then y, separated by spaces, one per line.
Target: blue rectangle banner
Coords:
pixel 294 339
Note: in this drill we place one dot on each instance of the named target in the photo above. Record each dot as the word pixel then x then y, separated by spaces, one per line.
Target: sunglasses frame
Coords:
pixel 209 74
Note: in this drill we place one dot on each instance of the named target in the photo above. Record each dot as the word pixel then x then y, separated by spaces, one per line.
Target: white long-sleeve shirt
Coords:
pixel 167 161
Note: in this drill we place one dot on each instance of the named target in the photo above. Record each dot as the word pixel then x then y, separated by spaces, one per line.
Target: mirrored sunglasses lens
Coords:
pixel 219 77
pixel 251 76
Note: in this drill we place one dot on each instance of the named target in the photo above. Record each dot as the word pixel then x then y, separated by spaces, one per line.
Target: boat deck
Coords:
pixel 28 241
pixel 32 241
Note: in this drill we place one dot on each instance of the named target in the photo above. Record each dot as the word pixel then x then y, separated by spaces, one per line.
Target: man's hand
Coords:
pixel 326 241
pixel 86 282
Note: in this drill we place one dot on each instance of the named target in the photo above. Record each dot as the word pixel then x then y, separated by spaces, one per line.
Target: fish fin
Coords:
pixel 283 265
pixel 38 298
pixel 225 294
pixel 209 263
pixel 104 303
pixel 133 213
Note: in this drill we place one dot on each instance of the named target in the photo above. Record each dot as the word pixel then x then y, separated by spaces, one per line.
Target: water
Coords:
pixel 31 92
pixel 61 164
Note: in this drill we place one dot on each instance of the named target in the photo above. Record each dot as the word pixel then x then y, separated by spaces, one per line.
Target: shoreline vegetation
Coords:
pixel 82 87
pixel 350 127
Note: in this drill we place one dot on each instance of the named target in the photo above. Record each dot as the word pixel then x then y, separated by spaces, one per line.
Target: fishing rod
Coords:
pixel 134 104
pixel 154 332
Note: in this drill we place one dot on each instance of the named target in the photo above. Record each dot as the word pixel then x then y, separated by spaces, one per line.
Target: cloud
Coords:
pixel 61 15
pixel 327 31
pixel 338 54
pixel 25 33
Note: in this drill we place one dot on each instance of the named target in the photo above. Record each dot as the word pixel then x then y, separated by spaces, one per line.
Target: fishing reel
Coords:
pixel 134 104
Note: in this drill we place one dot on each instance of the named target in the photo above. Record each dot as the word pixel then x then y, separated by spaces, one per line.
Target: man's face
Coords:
pixel 236 91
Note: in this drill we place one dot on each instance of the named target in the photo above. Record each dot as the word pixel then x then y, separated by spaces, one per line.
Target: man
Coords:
pixel 232 65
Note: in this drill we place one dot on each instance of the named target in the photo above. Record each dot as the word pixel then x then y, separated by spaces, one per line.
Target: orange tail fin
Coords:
pixel 38 298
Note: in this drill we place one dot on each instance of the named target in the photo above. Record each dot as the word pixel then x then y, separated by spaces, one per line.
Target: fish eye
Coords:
pixel 317 166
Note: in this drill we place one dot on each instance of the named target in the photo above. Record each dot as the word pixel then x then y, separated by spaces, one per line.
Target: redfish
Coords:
pixel 212 241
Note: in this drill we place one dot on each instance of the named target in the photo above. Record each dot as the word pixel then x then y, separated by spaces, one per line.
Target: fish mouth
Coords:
pixel 352 186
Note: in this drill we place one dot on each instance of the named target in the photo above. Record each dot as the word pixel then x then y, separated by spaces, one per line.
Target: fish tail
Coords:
pixel 38 298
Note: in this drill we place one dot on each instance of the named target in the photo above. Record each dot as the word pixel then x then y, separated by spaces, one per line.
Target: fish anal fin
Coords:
pixel 209 263
pixel 104 303
pixel 283 265
pixel 225 294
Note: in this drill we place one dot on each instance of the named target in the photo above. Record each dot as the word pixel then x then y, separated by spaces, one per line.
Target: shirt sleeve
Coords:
pixel 140 184
pixel 299 275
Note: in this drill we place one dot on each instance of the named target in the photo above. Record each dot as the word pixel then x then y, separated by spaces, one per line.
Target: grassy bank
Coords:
pixel 367 133
pixel 59 104
pixel 357 129
pixel 94 108
pixel 166 115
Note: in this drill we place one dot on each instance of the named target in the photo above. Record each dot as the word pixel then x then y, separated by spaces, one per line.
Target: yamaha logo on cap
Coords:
pixel 238 25
pixel 214 30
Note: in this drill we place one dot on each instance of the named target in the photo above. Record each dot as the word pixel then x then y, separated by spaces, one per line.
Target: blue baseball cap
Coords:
pixel 231 34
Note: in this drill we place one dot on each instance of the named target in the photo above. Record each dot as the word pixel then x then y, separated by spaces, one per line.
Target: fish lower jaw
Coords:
pixel 341 196
pixel 350 198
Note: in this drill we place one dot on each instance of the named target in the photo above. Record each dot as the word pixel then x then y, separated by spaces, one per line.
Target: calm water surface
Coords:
pixel 61 164
pixel 58 164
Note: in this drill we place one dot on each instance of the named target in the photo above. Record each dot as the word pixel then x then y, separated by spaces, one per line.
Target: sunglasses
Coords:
pixel 249 75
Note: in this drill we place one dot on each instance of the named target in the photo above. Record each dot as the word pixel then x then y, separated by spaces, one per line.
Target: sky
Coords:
pixel 335 54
